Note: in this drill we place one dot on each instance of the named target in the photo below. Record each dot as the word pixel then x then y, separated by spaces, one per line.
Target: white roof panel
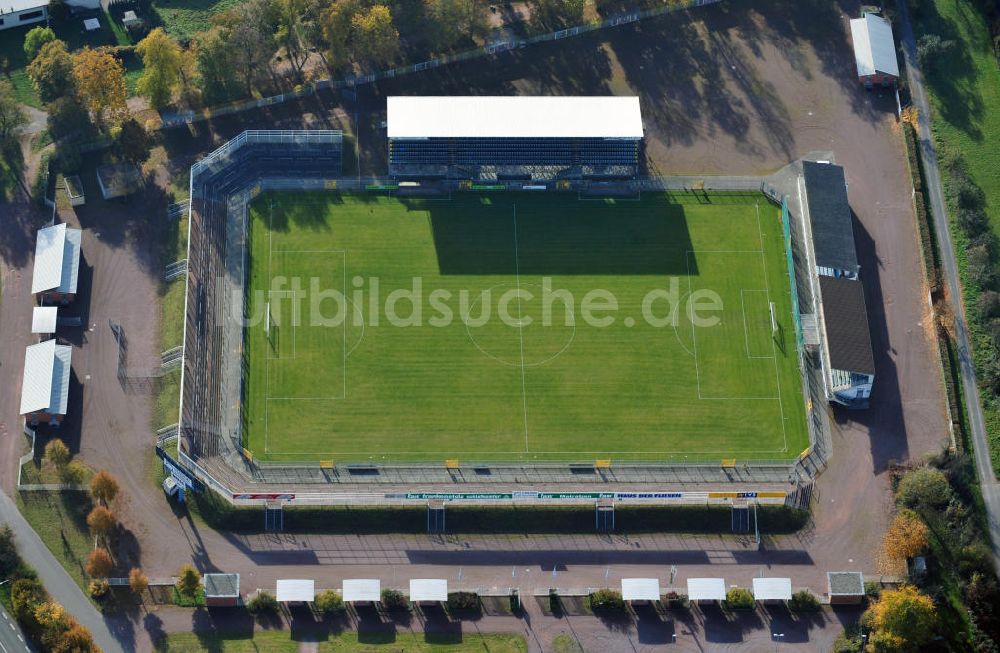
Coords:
pixel 514 117
pixel 772 589
pixel 16 6
pixel 90 24
pixel 362 589
pixel 57 259
pixel 641 589
pixel 71 261
pixel 874 48
pixel 428 589
pixel 48 258
pixel 293 589
pixel 43 319
pixel 45 385
pixel 706 589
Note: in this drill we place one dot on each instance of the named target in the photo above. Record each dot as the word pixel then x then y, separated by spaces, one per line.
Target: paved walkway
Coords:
pixel 12 638
pixel 59 584
pixel 988 482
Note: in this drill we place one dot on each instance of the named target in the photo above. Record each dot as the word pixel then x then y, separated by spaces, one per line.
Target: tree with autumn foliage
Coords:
pixel 163 61
pixel 188 580
pixel 101 522
pixel 901 620
pixel 100 80
pixel 57 453
pixel 138 582
pixel 99 564
pixel 103 487
pixel 906 536
pixel 376 39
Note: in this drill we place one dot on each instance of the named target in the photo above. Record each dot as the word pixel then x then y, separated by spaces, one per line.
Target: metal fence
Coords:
pixel 786 227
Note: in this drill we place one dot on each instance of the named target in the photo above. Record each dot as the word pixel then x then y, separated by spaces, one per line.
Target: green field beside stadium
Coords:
pixel 503 327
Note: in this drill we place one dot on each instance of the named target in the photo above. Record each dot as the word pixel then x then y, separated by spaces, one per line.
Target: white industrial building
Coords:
pixel 45 384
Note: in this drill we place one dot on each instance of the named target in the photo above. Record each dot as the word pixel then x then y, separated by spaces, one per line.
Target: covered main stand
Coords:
pixel 361 590
pixel 641 589
pixel 706 589
pixel 428 590
pixel 295 590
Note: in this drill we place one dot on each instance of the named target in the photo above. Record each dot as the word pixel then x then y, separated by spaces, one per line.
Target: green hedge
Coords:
pixel 220 515
pixel 920 204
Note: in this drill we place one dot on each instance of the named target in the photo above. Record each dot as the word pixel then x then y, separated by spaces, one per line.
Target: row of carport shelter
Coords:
pixel 843 587
pixel 363 590
pixel 705 590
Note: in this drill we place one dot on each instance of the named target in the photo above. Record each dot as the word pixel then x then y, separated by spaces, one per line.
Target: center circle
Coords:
pixel 526 352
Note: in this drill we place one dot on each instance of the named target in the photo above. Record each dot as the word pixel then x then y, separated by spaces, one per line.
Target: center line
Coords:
pixel 520 330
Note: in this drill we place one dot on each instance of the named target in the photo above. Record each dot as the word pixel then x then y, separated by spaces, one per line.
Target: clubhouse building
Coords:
pixel 846 346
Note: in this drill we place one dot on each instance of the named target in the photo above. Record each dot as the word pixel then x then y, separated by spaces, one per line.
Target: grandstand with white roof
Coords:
pixel 514 138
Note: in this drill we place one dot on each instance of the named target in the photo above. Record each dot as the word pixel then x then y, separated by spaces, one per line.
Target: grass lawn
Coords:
pixel 42 471
pixel 491 367
pixel 60 519
pixel 69 30
pixel 964 89
pixel 182 18
pixel 279 642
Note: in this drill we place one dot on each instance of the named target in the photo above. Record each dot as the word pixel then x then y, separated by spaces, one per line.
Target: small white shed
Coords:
pixel 641 589
pixel 428 589
pixel 294 590
pixel 706 589
pixel 356 590
pixel 772 589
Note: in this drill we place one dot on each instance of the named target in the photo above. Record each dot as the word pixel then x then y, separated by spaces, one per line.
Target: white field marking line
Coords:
pixel 580 198
pixel 694 337
pixel 746 331
pixel 435 199
pixel 343 395
pixel 561 452
pixel 694 329
pixel 774 352
pixel 520 328
pixel 267 362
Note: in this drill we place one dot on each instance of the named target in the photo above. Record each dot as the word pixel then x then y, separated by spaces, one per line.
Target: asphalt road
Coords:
pixel 58 583
pixel 990 486
pixel 11 638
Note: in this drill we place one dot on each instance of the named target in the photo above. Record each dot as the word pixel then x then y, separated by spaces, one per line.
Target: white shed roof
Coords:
pixel 43 319
pixel 45 386
pixel 514 117
pixel 772 589
pixel 15 6
pixel 57 259
pixel 428 589
pixel 641 589
pixel 362 589
pixel 874 48
pixel 293 589
pixel 706 589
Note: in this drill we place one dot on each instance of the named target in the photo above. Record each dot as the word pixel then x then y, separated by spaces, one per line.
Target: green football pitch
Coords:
pixel 519 327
